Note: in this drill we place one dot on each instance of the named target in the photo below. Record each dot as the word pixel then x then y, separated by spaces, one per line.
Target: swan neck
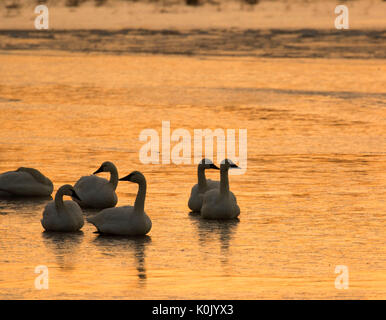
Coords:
pixel 224 181
pixel 114 177
pixel 201 178
pixel 59 200
pixel 139 205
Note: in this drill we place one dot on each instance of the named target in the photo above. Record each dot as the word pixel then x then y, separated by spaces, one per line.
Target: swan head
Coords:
pixel 227 164
pixel 207 164
pixel 135 177
pixel 106 166
pixel 68 190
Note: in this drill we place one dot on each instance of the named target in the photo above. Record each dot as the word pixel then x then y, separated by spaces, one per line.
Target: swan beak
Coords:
pixel 234 166
pixel 127 178
pixel 75 196
pixel 99 170
pixel 213 166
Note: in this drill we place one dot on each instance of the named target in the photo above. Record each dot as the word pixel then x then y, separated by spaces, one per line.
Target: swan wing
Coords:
pixel 212 184
pixel 37 175
pixel 111 218
pixel 95 192
pixel 217 207
pixel 75 214
pixel 92 183
pixel 195 199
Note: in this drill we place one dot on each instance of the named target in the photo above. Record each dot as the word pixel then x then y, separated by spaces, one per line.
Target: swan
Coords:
pixel 203 185
pixel 126 220
pixel 96 192
pixel 64 216
pixel 221 203
pixel 25 182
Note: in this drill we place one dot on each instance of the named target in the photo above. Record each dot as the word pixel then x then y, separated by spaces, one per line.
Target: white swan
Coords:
pixel 221 203
pixel 127 220
pixel 97 192
pixel 25 182
pixel 64 216
pixel 203 185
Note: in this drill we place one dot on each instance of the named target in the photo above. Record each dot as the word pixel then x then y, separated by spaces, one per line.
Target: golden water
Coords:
pixel 313 196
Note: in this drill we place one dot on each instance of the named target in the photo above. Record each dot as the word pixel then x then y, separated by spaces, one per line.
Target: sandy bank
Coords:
pixel 370 14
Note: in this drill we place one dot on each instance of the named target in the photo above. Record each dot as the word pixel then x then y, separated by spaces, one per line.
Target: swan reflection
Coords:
pixel 223 230
pixel 120 245
pixel 65 246
pixel 20 205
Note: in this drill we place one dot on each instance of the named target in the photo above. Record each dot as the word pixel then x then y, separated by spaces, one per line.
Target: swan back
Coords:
pixel 216 206
pixel 37 175
pixel 25 182
pixel 95 192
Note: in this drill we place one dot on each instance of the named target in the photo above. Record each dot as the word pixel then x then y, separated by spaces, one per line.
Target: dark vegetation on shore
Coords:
pixel 17 4
pixel 273 43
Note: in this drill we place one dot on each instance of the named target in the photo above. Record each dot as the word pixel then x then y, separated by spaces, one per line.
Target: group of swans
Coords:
pixel 99 193
pixel 88 192
pixel 212 199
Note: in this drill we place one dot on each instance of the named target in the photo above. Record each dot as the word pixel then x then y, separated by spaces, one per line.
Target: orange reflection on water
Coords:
pixel 312 197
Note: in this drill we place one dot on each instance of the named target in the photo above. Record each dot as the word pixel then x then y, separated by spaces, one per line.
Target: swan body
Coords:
pixel 197 195
pixel 97 192
pixel 221 203
pixel 126 220
pixel 63 216
pixel 203 185
pixel 25 182
pixel 121 221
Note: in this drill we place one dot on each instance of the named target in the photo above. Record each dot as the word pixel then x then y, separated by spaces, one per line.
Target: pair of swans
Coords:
pixel 96 192
pixel 213 199
pixel 67 216
pixel 93 191
pixel 88 192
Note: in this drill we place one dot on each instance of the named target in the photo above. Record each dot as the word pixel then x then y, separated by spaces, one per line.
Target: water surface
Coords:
pixel 313 196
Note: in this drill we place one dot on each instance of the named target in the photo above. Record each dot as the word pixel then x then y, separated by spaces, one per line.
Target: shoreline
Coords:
pixel 305 43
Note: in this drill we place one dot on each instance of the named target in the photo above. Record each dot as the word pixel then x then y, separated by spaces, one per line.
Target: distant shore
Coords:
pixel 115 15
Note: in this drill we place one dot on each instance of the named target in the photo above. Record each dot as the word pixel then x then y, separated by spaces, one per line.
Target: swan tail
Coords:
pixel 90 219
